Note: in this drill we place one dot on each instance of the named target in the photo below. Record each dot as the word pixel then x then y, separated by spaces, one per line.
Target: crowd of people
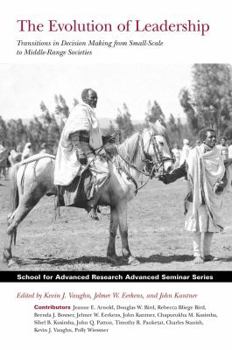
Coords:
pixel 181 154
pixel 9 158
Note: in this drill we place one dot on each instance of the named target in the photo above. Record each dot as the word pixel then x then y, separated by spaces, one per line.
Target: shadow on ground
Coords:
pixel 55 262
pixel 162 259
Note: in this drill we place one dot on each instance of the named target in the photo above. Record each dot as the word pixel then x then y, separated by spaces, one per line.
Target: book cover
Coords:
pixel 167 62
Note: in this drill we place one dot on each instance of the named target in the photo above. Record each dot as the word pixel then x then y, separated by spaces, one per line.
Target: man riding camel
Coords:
pixel 207 175
pixel 81 146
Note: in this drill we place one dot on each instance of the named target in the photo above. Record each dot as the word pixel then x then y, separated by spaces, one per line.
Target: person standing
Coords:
pixel 223 148
pixel 206 173
pixel 43 149
pixel 185 151
pixel 177 153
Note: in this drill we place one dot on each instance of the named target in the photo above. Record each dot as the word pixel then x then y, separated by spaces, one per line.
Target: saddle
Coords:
pixel 78 193
pixel 83 188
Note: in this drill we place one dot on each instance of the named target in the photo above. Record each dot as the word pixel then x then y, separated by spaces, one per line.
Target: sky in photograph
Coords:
pixel 24 86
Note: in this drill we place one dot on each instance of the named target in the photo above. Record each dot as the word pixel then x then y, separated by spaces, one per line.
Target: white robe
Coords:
pixel 67 166
pixel 204 171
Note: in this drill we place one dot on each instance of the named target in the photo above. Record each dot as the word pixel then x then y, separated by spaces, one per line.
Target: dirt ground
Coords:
pixel 74 242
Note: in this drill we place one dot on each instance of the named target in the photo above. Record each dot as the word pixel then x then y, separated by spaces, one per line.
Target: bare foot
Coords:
pixel 198 260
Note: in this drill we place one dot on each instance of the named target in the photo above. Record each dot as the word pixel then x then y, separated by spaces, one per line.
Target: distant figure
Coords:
pixel 185 151
pixel 223 148
pixel 43 148
pixel 19 148
pixel 3 161
pixel 27 151
pixel 229 143
pixel 198 142
pixel 14 157
pixel 177 153
pixel 2 148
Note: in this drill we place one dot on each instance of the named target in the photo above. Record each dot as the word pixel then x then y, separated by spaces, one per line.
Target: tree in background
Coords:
pixel 110 129
pixel 12 134
pixel 212 94
pixel 187 105
pixel 16 134
pixel 43 129
pixel 37 133
pixel 21 133
pixel 154 112
pixel 175 130
pixel 3 132
pixel 62 110
pixel 124 123
pixel 49 130
pixel 53 136
pixel 45 116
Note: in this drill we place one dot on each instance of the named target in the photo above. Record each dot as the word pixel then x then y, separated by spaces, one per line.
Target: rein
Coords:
pixel 148 162
pixel 160 159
